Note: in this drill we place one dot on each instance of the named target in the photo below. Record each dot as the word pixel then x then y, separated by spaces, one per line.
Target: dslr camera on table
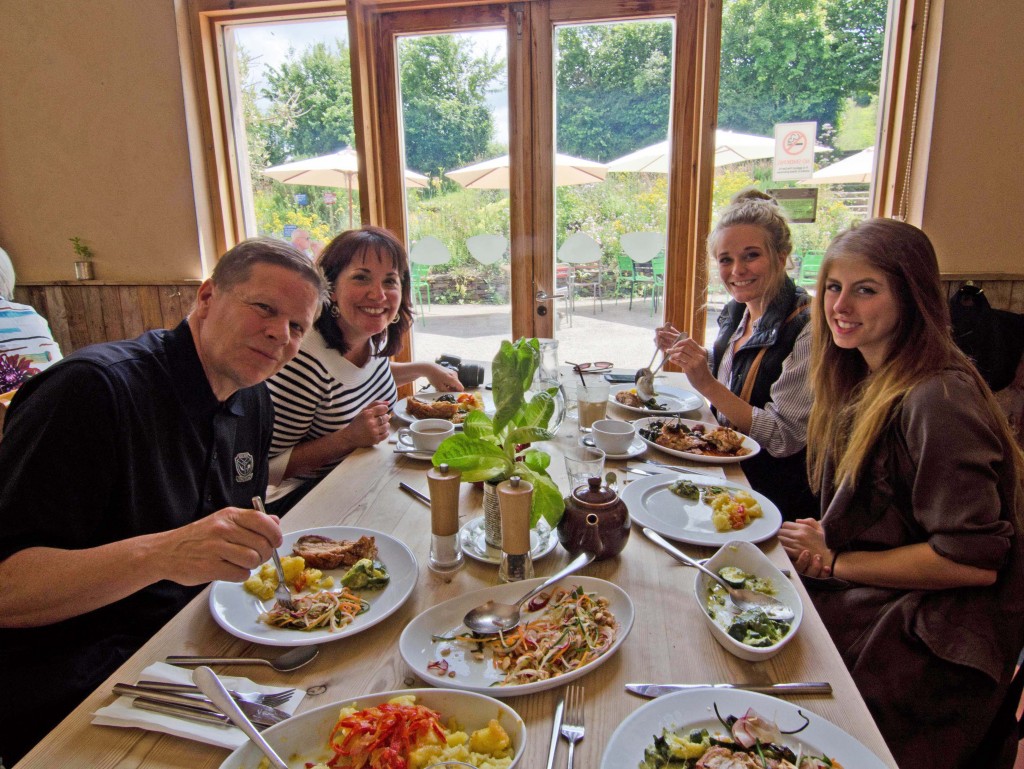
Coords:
pixel 470 374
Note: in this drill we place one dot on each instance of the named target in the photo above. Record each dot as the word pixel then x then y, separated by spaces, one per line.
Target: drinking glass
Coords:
pixel 591 403
pixel 583 463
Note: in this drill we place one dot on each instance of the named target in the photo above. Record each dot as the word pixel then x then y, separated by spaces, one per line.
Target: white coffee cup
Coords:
pixel 425 434
pixel 613 436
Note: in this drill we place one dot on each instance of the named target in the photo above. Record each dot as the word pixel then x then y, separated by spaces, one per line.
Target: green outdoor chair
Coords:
pixel 810 265
pixel 657 280
pixel 420 285
pixel 626 275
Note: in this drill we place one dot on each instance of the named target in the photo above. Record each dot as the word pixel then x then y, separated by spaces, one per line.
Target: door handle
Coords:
pixel 544 296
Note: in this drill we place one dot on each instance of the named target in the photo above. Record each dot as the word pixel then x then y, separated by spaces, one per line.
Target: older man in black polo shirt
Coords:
pixel 126 478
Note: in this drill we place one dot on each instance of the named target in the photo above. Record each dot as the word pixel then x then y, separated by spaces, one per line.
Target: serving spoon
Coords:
pixel 491 618
pixel 293 659
pixel 741 597
pixel 644 378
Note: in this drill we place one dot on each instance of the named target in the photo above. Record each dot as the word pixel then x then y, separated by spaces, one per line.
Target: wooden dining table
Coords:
pixel 669 642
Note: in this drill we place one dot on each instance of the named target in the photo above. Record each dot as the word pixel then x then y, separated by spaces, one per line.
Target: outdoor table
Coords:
pixel 669 642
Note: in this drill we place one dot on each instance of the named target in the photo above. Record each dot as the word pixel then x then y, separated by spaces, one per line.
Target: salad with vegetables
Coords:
pixel 752 627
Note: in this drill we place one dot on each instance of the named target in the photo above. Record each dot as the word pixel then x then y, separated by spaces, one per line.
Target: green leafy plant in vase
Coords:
pixel 495 449
pixel 83 267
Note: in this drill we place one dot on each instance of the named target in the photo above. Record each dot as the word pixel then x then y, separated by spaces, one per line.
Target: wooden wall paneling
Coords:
pixel 131 312
pixel 149 307
pixel 171 306
pixel 113 322
pixel 94 328
pixel 74 303
pixel 57 316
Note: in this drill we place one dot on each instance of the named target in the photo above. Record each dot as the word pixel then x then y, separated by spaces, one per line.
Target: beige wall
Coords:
pixel 974 196
pixel 92 140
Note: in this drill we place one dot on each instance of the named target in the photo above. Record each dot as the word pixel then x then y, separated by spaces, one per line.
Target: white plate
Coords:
pixel 473 539
pixel 651 504
pixel 422 456
pixel 683 711
pixel 748 442
pixel 418 650
pixel 405 416
pixel 304 737
pixel 237 610
pixel 674 399
pixel 636 448
pixel 745 556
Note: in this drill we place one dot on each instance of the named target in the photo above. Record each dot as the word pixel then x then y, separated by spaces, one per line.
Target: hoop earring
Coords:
pixel 335 312
pixel 398 317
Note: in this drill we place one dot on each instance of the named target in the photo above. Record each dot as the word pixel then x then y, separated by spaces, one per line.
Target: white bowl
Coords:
pixel 746 556
pixel 304 737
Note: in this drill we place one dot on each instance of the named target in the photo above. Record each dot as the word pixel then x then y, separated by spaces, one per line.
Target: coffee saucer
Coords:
pixel 636 448
pixel 474 541
pixel 424 456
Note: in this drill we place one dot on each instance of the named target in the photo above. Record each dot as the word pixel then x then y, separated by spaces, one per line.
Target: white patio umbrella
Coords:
pixel 339 169
pixel 493 174
pixel 856 169
pixel 730 147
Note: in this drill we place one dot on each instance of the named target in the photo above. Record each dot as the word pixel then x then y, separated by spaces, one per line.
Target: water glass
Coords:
pixel 583 463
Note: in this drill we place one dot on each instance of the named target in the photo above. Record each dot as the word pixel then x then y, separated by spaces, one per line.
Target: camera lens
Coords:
pixel 471 374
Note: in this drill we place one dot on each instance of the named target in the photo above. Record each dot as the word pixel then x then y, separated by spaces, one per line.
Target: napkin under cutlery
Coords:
pixel 121 712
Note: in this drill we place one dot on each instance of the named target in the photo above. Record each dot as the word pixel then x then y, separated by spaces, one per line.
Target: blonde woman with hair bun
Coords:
pixel 916 565
pixel 756 374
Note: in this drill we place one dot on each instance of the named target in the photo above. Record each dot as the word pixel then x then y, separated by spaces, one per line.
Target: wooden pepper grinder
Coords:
pixel 515 497
pixel 445 550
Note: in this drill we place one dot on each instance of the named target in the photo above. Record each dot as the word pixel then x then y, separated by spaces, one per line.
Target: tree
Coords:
pixel 444 90
pixel 310 99
pixel 790 60
pixel 613 87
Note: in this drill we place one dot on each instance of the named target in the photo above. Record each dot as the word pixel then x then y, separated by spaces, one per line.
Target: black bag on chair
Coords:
pixel 993 339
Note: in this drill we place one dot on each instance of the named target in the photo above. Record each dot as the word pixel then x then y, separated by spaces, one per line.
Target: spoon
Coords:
pixel 491 618
pixel 645 372
pixel 293 659
pixel 212 687
pixel 644 378
pixel 742 598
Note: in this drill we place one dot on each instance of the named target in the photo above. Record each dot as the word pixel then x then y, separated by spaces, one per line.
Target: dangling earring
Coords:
pixel 335 312
pixel 398 317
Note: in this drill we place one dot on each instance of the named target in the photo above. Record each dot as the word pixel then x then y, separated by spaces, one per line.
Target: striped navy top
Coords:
pixel 318 393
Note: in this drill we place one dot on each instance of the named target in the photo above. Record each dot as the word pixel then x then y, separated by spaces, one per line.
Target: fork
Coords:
pixel 274 699
pixel 281 593
pixel 572 719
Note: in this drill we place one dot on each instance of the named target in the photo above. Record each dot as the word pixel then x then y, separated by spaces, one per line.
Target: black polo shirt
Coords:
pixel 115 441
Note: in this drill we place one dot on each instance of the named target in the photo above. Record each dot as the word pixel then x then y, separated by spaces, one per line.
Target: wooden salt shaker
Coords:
pixel 515 497
pixel 445 550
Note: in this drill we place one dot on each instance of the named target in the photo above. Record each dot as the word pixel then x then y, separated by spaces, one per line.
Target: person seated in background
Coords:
pixel 26 344
pixel 336 395
pixel 916 563
pixel 302 241
pixel 757 376
pixel 127 473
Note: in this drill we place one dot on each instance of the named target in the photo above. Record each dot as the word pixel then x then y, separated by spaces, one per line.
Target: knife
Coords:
pixel 555 729
pixel 656 690
pixel 183 711
pixel 415 494
pixel 260 714
pixel 681 469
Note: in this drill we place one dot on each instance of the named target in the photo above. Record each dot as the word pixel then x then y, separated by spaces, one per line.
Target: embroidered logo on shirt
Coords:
pixel 243 467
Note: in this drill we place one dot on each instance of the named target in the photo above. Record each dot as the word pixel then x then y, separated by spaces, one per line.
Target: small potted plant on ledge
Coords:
pixel 495 449
pixel 83 266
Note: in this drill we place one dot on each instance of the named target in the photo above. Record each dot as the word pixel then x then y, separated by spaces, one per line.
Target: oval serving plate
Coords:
pixel 303 738
pixel 237 610
pixel 652 504
pixel 402 413
pixel 684 711
pixel 675 401
pixel 748 442
pixel 419 650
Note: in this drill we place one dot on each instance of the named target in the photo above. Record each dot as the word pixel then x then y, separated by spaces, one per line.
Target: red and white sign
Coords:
pixel 794 150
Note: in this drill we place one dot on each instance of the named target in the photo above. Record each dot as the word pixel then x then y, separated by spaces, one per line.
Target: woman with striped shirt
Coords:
pixel 336 394
pixel 757 378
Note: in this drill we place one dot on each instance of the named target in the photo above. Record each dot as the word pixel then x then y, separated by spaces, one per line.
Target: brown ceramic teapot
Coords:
pixel 595 520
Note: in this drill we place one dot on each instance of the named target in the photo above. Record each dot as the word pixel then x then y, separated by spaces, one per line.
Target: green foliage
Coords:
pixel 488 449
pixel 81 250
pixel 791 60
pixel 311 96
pixel 858 125
pixel 614 87
pixel 444 109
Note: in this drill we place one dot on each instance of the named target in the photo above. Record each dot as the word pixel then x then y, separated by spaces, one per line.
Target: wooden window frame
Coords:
pixel 910 51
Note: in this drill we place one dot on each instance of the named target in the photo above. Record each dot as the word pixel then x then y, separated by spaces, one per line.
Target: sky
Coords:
pixel 270 45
